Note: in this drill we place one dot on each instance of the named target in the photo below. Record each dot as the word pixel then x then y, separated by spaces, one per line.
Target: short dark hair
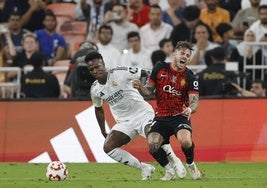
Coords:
pixel 107 27
pixel 92 55
pixel 133 34
pixel 218 53
pixel 223 28
pixel 184 44
pixel 191 12
pixel 257 81
pixel 156 7
pixel 262 7
pixel 50 13
pixel 164 41
pixel 38 59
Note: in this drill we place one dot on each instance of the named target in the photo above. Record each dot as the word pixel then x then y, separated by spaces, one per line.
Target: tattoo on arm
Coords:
pixel 193 102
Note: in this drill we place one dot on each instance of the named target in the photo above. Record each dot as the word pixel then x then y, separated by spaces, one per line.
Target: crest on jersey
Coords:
pixel 174 78
pixel 114 84
pixel 182 83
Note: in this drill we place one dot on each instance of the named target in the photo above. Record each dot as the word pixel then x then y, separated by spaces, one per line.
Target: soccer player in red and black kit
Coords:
pixel 177 97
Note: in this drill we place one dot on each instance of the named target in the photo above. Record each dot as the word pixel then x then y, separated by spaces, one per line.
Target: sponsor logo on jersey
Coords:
pixel 101 94
pixel 171 90
pixel 182 83
pixel 115 97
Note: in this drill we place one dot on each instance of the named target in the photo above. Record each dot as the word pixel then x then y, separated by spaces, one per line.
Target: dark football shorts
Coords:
pixel 168 126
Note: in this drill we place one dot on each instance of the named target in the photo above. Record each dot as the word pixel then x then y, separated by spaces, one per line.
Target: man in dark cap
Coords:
pixel 38 83
pixel 226 32
pixel 213 79
pixel 184 30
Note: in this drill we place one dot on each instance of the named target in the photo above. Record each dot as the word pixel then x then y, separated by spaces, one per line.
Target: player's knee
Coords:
pixel 185 143
pixel 153 147
pixel 107 147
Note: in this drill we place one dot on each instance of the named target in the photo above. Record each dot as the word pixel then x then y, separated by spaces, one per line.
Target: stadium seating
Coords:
pixel 74 33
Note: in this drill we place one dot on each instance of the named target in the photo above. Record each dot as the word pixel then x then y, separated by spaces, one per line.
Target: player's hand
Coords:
pixel 187 111
pixel 136 84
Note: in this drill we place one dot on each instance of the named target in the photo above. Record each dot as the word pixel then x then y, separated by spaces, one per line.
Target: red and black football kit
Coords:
pixel 172 94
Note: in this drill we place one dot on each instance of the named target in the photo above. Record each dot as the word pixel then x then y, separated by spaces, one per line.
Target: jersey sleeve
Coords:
pixel 128 73
pixel 97 101
pixel 153 76
pixel 193 86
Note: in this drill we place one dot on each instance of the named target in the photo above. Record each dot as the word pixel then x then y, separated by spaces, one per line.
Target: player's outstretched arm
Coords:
pixel 143 90
pixel 100 116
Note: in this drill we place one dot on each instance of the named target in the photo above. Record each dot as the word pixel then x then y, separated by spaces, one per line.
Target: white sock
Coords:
pixel 170 153
pixel 124 157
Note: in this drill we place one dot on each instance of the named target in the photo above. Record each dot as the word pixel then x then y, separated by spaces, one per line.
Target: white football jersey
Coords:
pixel 125 101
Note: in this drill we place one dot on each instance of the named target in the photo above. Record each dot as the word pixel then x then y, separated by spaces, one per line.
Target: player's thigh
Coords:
pixel 126 128
pixel 115 139
pixel 143 123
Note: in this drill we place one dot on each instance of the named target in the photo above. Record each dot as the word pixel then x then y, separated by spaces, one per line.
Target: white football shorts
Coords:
pixel 136 125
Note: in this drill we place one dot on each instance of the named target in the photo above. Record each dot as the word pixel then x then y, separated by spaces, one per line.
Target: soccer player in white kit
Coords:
pixel 132 113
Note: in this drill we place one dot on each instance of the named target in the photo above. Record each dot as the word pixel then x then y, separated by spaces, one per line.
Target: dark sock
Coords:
pixel 161 157
pixel 189 153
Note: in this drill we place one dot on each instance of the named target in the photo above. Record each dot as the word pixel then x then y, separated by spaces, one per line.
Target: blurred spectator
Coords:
pixel 78 80
pixel 225 30
pixel 111 55
pixel 117 19
pixel 185 30
pixel 214 79
pixel 2 63
pixel 213 15
pixel 93 13
pixel 82 7
pixel 14 29
pixel 260 27
pixel 52 44
pixel 155 30
pixel 233 6
pixel 173 15
pixel 245 18
pixel 246 4
pixel 136 56
pixel 250 52
pixel 22 59
pixel 8 51
pixel 203 44
pixel 258 88
pixel 38 83
pixel 157 55
pixel 166 46
pixel 32 12
pixel 137 12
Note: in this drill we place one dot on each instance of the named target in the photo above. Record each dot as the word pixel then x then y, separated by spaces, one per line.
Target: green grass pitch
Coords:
pixel 115 175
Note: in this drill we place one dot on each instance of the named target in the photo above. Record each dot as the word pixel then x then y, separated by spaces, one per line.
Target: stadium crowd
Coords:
pixel 131 33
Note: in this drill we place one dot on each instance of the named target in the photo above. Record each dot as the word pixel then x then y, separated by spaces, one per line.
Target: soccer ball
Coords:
pixel 56 171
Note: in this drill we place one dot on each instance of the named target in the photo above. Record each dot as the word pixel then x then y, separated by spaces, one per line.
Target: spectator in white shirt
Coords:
pixel 136 56
pixel 260 27
pixel 111 55
pixel 117 19
pixel 167 47
pixel 155 30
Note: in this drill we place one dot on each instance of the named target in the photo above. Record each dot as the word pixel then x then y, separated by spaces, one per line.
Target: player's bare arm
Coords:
pixel 193 102
pixel 100 116
pixel 144 90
